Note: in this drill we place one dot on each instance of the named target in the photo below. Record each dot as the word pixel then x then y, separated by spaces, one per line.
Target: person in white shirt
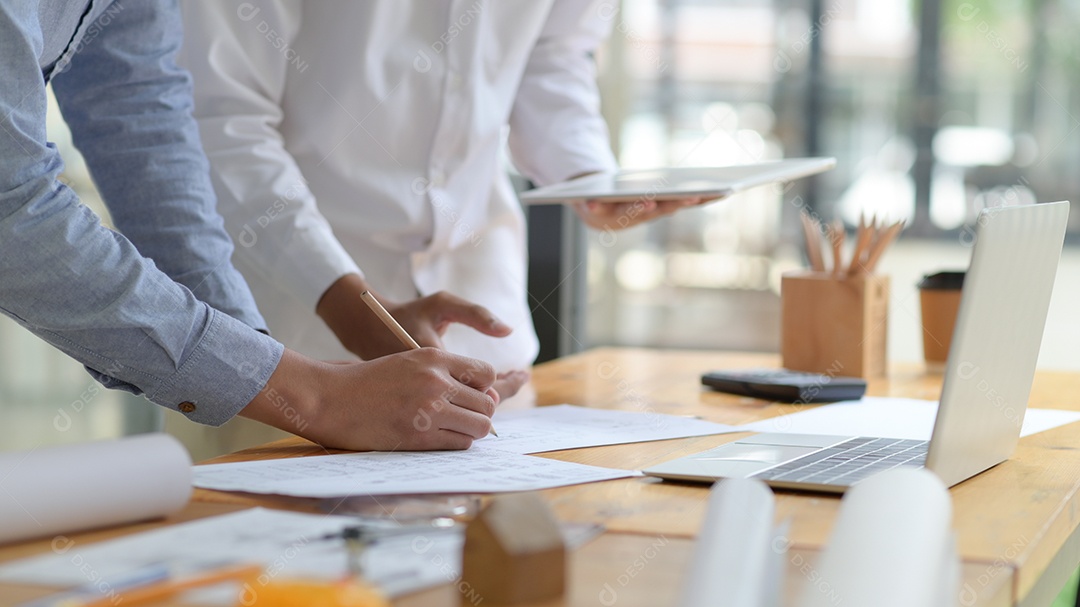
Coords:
pixel 356 145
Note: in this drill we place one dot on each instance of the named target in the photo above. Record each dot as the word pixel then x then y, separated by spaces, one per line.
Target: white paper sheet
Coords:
pixel 571 427
pixel 287 544
pixel 478 470
pixel 904 418
pixel 76 487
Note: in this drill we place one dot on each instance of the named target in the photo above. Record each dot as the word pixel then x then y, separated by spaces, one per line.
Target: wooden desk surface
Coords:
pixel 1016 523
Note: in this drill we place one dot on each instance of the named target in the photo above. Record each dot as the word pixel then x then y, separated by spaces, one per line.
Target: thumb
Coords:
pixel 452 308
pixel 428 337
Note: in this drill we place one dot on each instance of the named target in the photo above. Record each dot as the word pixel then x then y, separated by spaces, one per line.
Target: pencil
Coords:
pixel 862 241
pixel 398 331
pixel 169 587
pixel 881 243
pixel 392 324
pixel 836 238
pixel 812 231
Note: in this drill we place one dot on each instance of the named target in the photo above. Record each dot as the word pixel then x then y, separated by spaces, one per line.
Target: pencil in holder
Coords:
pixel 834 325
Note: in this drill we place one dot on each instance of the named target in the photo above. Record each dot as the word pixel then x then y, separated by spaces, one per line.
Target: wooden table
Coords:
pixel 1016 523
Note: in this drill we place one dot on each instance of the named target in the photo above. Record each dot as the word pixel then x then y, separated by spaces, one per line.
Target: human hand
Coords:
pixel 425 319
pixel 418 400
pixel 507 384
pixel 601 215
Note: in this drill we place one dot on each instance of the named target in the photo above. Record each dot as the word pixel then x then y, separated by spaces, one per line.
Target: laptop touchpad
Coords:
pixel 763 454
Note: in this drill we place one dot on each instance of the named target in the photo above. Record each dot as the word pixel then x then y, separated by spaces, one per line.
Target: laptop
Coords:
pixel 709 183
pixel 986 384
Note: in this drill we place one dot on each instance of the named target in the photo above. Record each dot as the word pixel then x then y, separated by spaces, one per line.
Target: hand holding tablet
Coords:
pixel 600 213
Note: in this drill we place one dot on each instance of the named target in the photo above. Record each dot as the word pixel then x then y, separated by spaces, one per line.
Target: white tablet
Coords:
pixel 668 183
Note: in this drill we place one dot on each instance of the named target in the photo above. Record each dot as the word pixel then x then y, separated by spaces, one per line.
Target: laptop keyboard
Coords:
pixel 849 462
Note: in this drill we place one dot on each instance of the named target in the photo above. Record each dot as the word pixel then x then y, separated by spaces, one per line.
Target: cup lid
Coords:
pixel 942 281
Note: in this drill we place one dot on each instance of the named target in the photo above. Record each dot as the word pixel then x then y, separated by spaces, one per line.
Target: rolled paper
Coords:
pixel 77 487
pixel 733 556
pixel 892 546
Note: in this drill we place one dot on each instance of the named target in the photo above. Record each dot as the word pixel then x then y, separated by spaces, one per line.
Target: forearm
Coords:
pixel 289 400
pixel 353 323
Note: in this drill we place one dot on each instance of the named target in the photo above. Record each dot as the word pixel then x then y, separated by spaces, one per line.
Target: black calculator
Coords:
pixel 786 385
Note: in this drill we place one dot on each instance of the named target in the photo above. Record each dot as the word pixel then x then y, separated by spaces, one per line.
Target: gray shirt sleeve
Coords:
pixel 89 291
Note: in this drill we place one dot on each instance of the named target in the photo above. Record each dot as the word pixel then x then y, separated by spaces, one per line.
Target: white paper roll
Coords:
pixel 76 487
pixel 891 547
pixel 733 555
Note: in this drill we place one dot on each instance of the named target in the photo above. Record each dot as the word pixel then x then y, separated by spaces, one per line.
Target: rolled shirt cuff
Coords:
pixel 228 367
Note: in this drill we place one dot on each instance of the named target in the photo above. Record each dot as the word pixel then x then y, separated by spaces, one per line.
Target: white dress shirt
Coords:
pixel 365 137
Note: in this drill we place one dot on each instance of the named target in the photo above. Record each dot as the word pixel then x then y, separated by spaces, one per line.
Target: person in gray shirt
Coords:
pixel 156 307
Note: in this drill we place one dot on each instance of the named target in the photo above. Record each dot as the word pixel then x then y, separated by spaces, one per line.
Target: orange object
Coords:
pixel 939 295
pixel 310 593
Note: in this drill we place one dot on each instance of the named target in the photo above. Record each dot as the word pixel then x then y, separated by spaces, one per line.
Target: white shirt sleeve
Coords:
pixel 240 57
pixel 556 130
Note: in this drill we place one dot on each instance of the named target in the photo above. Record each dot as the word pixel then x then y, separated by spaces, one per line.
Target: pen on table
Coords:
pixel 369 533
pixel 358 538
pixel 80 595
pixel 392 324
pixel 169 587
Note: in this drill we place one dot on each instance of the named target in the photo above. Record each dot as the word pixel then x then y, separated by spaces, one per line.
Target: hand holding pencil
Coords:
pixel 427 318
pixel 403 335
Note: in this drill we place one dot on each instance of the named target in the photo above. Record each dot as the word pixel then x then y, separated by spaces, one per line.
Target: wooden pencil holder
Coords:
pixel 834 326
